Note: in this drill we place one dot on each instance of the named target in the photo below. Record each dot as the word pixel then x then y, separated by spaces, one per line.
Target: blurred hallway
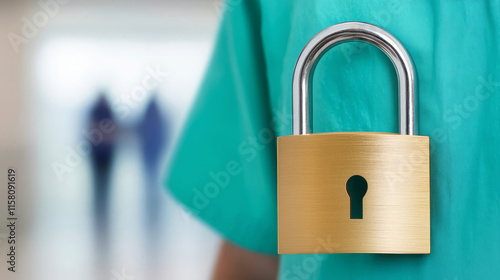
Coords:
pixel 86 46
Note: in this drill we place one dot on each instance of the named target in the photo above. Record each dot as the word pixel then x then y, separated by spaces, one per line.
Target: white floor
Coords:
pixel 63 238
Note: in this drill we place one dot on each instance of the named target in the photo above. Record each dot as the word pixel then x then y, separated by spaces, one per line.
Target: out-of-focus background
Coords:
pixel 94 94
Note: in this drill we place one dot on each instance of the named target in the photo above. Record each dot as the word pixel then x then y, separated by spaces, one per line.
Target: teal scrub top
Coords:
pixel 224 167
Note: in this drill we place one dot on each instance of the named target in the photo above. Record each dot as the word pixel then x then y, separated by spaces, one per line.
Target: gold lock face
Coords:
pixel 314 206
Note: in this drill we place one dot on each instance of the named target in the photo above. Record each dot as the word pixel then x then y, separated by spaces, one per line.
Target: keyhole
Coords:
pixel 356 188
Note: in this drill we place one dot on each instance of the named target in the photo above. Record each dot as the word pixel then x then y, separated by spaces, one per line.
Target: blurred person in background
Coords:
pixel 153 133
pixel 103 138
pixel 224 167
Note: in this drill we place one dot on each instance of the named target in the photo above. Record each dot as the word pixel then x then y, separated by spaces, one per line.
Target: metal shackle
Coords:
pixel 341 33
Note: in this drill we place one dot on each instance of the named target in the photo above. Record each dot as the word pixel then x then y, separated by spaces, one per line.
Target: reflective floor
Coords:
pixel 64 241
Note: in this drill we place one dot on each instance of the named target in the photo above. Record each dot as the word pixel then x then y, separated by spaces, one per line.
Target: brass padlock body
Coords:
pixel 314 206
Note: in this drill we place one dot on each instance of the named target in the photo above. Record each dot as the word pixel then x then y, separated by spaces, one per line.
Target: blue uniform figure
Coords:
pixel 153 139
pixel 103 150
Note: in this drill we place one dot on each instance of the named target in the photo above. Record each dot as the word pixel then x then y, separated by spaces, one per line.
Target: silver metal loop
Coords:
pixel 341 33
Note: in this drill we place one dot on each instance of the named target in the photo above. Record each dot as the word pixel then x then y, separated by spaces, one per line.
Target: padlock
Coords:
pixel 318 173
